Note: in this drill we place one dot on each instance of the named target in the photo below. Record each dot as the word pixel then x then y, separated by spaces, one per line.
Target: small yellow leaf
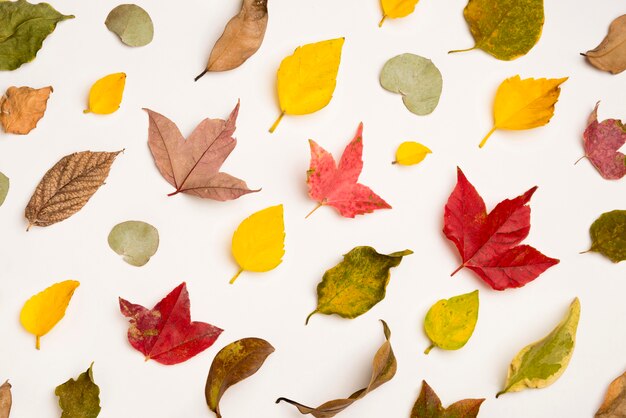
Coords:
pixel 450 323
pixel 42 312
pixel 396 8
pixel 411 153
pixel 105 95
pixel 259 241
pixel 524 104
pixel 306 80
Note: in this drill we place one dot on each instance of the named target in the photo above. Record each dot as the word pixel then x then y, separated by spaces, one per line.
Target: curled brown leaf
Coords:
pixel 614 405
pixel 22 107
pixel 5 400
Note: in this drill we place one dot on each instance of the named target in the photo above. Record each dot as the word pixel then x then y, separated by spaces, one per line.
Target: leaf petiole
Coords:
pixel 319 205
pixel 430 347
pixel 462 50
pixel 484 141
pixel 236 276
pixel 275 125
pixel 380 24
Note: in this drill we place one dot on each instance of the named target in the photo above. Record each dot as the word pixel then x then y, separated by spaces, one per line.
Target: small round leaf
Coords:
pixel 135 240
pixel 132 24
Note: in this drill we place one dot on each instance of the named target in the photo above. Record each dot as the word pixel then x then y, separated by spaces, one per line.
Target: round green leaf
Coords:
pixel 450 322
pixel 132 24
pixel 4 188
pixel 135 240
pixel 608 235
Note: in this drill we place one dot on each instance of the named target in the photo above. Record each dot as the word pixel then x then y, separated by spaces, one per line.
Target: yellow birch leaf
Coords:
pixel 259 241
pixel 450 323
pixel 524 104
pixel 396 8
pixel 306 80
pixel 42 312
pixel 105 95
pixel 411 153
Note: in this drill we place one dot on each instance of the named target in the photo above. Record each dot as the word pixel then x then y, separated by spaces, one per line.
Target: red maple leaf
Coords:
pixel 488 243
pixel 165 333
pixel 336 186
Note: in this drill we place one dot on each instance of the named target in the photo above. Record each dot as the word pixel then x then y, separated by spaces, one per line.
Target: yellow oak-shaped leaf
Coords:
pixel 396 8
pixel 105 95
pixel 42 312
pixel 259 241
pixel 450 322
pixel 411 153
pixel 306 80
pixel 524 104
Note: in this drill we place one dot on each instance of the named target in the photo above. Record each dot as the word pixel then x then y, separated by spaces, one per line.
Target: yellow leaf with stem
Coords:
pixel 411 153
pixel 450 323
pixel 396 8
pixel 105 95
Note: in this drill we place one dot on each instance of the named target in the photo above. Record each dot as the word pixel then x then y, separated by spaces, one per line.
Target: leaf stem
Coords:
pixel 319 205
pixel 484 141
pixel 199 76
pixel 502 392
pixel 309 317
pixel 175 192
pixel 430 347
pixel 461 50
pixel 457 270
pixel 235 276
pixel 380 24
pixel 275 125
pixel 38 342
pixel 578 160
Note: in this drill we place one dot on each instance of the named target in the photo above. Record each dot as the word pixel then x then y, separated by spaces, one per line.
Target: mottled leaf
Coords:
pixel 602 141
pixel 131 23
pixel 608 235
pixel 22 107
pixel 6 400
pixel 137 241
pixel 450 323
pixel 79 398
pixel 4 187
pixel 428 405
pixel 614 405
pixel 411 153
pixel 106 94
pixel 610 55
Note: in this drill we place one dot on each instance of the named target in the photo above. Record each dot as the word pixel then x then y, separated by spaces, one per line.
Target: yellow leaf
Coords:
pixel 42 312
pixel 396 8
pixel 105 95
pixel 306 80
pixel 411 153
pixel 524 104
pixel 450 323
pixel 259 241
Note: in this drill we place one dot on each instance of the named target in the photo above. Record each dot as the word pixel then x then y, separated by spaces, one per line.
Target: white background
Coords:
pixel 331 357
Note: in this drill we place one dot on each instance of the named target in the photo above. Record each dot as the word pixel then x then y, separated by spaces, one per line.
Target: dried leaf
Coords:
pixel 411 153
pixel 5 400
pixel 614 405
pixel 242 37
pixel 106 94
pixel 165 333
pixel 22 107
pixel 540 364
pixel 79 398
pixel 383 370
pixel 68 186
pixel 355 285
pixel 131 23
pixel 23 28
pixel 234 363
pixel 4 187
pixel 608 235
pixel 259 242
pixel 44 310
pixel 602 142
pixel 336 186
pixel 610 55
pixel 524 104
pixel 506 29
pixel 416 78
pixel 192 165
pixel 137 241
pixel 396 8
pixel 428 405
pixel 450 323
pixel 306 80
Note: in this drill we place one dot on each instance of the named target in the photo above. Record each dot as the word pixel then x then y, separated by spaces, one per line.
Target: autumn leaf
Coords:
pixel 355 285
pixel 136 241
pixel 242 38
pixel 192 165
pixel 428 405
pixel 68 186
pixel 306 80
pixel 488 243
pixel 396 8
pixel 540 364
pixel 383 370
pixel 232 364
pixel 524 104
pixel 23 28
pixel 21 108
pixel 614 404
pixel 106 94
pixel 6 400
pixel 131 24
pixel 259 242
pixel 450 323
pixel 506 29
pixel 79 398
pixel 411 153
pixel 602 141
pixel 4 187
pixel 610 55
pixel 165 333
pixel 44 310
pixel 608 235
pixel 337 185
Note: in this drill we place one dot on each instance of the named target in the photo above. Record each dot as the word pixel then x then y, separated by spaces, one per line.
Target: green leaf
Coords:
pixel 355 285
pixel 608 235
pixel 4 187
pixel 540 364
pixel 132 24
pixel 428 405
pixel 79 398
pixel 450 322
pixel 416 78
pixel 137 241
pixel 23 28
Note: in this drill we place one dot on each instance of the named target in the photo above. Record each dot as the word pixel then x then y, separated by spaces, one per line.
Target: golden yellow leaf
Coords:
pixel 42 311
pixel 306 80
pixel 396 8
pixel 524 104
pixel 105 95
pixel 411 153
pixel 259 241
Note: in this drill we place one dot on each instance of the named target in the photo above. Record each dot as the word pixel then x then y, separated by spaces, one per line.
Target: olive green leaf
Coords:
pixel 79 398
pixel 4 187
pixel 23 28
pixel 450 322
pixel 384 369
pixel 137 241
pixel 506 29
pixel 234 363
pixel 355 285
pixel 608 235
pixel 416 78
pixel 614 405
pixel 428 405
pixel 540 364
pixel 132 24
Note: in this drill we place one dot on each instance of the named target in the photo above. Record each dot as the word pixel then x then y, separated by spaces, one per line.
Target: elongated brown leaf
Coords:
pixel 610 55
pixel 614 405
pixel 234 363
pixel 22 107
pixel 68 186
pixel 383 370
pixel 5 400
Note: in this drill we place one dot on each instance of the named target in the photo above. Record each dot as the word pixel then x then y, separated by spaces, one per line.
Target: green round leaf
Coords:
pixel 450 322
pixel 4 188
pixel 132 24
pixel 608 235
pixel 135 240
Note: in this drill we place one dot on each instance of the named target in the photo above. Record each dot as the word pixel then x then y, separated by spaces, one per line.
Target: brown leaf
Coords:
pixel 68 186
pixel 192 165
pixel 428 405
pixel 5 400
pixel 22 107
pixel 242 37
pixel 383 369
pixel 610 55
pixel 614 405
